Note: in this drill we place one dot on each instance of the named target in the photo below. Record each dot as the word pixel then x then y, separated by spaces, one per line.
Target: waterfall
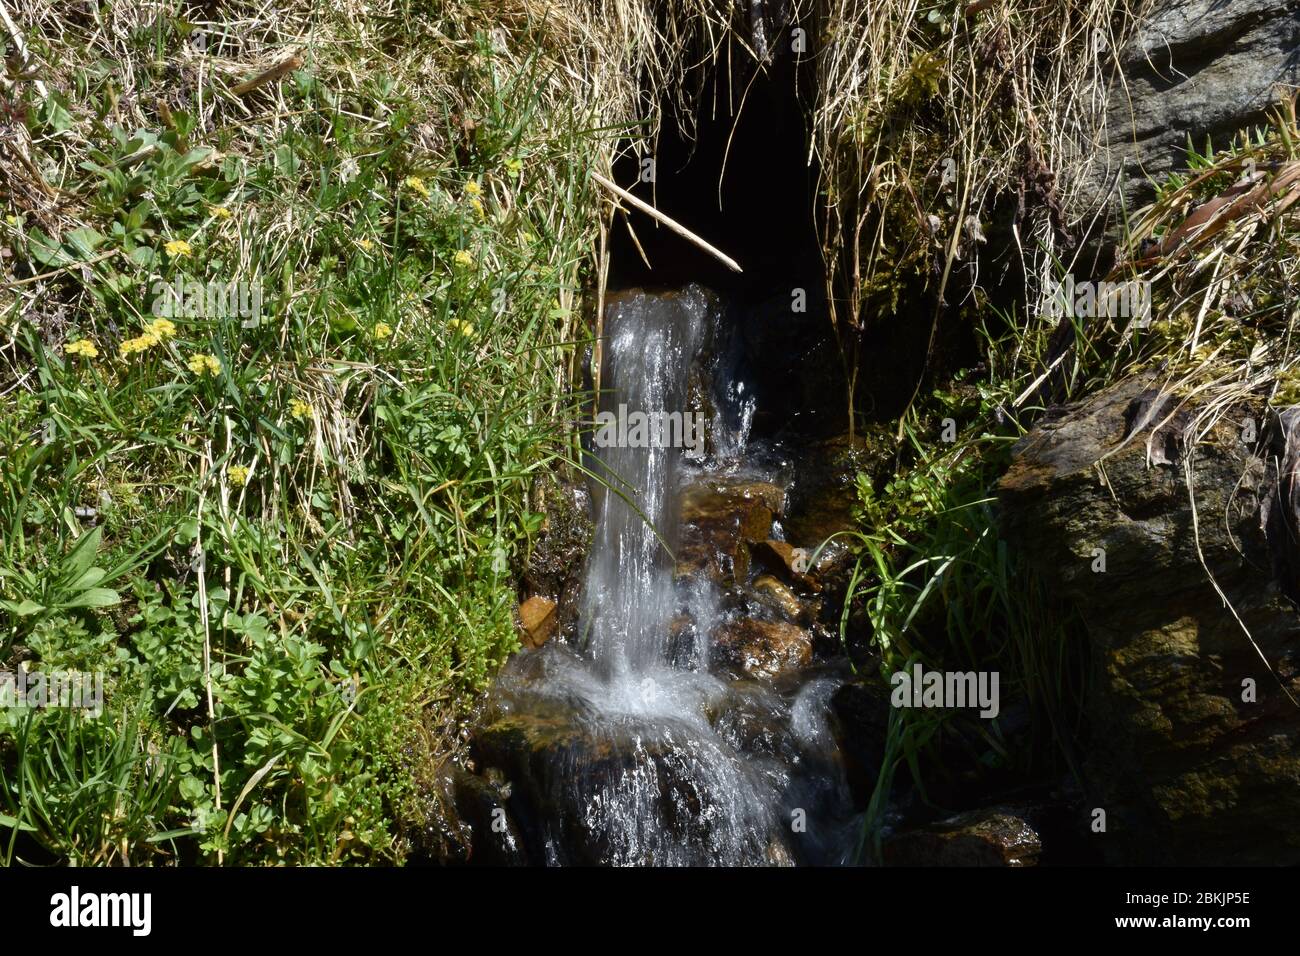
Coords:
pixel 623 748
pixel 628 603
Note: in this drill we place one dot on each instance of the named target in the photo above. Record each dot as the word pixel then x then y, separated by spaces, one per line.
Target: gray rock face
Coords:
pixel 1192 68
pixel 1188 768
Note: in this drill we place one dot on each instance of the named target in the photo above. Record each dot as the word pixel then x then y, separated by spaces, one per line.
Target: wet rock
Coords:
pixel 754 723
pixel 824 493
pixel 778 596
pixel 596 788
pixel 538 617
pixel 718 522
pixel 792 564
pixel 554 568
pixel 993 837
pixel 1187 769
pixel 494 839
pixel 763 649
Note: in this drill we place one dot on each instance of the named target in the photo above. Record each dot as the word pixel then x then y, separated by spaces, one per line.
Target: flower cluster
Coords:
pixel 416 185
pixel 154 333
pixel 82 347
pixel 201 364
pixel 474 191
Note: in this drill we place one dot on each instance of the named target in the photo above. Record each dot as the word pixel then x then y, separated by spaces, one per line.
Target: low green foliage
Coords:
pixel 270 426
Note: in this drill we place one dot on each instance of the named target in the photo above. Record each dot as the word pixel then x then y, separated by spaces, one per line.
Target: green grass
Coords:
pixel 288 541
pixel 941 589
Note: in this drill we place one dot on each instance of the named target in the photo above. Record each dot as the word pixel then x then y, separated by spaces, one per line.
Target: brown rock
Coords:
pixel 539 620
pixel 791 563
pixel 981 838
pixel 765 649
pixel 1190 769
pixel 778 595
pixel 717 527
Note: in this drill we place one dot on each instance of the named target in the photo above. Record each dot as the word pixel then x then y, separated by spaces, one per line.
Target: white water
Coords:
pixel 655 759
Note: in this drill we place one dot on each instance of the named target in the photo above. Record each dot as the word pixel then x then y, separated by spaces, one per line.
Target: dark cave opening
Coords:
pixel 739 178
pixel 739 174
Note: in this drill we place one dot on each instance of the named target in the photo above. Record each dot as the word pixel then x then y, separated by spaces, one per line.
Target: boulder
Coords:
pixel 719 520
pixel 591 787
pixel 1193 751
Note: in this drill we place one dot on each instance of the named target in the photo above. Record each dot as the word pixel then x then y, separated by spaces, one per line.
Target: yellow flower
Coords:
pixel 83 347
pixel 462 327
pixel 138 344
pixel 473 189
pixel 176 248
pixel 300 409
pixel 477 205
pixel 12 220
pixel 382 331
pixel 161 328
pixel 238 474
pixel 463 258
pixel 220 212
pixel 201 363
pixel 365 244
pixel 416 184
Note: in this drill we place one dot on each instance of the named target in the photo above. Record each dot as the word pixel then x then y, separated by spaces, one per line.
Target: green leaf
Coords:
pixel 89 579
pixel 82 556
pixel 13 824
pixel 23 608
pixel 84 241
pixel 95 597
pixel 54 113
pixel 45 250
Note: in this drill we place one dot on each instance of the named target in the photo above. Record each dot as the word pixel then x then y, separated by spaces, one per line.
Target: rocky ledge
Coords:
pixel 1193 752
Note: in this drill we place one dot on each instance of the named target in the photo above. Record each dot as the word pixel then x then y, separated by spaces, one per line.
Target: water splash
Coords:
pixel 632 752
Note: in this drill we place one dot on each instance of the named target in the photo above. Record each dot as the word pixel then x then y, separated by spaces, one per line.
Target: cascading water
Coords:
pixel 628 602
pixel 627 749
